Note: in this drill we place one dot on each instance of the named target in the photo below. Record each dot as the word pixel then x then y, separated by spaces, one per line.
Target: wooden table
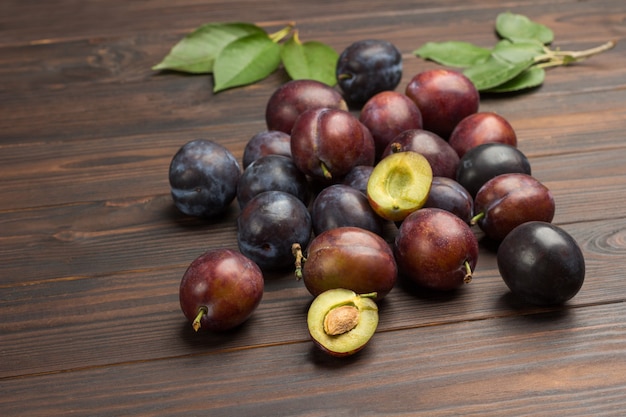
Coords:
pixel 92 249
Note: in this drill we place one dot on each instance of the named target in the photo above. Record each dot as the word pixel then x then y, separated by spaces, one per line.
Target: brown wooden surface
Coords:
pixel 92 250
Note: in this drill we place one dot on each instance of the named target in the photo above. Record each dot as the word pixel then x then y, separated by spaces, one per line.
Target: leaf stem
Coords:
pixel 283 33
pixel 553 58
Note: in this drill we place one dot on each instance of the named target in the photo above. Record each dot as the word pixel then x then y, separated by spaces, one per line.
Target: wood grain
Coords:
pixel 92 249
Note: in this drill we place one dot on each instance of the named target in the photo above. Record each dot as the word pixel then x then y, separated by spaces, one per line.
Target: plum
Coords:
pixel 266 142
pixel 444 97
pixel 442 158
pixel 203 177
pixel 386 115
pixel 295 97
pixel 447 194
pixel 479 128
pixel 327 143
pixel 435 249
pixel 269 224
pixel 367 67
pixel 508 200
pixel 220 290
pixel 541 263
pixel 350 258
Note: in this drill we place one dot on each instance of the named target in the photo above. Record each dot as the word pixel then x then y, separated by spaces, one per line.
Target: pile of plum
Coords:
pixel 359 186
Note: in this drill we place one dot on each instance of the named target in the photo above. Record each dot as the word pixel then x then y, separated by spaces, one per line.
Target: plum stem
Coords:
pixel 296 250
pixel 468 273
pixel 369 295
pixel 476 218
pixel 326 171
pixel 202 311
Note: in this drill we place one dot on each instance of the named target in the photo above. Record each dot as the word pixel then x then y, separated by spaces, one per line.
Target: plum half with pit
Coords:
pixel 350 258
pixel 435 249
pixel 203 178
pixel 327 143
pixel 220 290
pixel 444 97
pixel 342 322
pixel 294 97
pixel 541 263
pixel 367 67
pixel 269 224
pixel 508 200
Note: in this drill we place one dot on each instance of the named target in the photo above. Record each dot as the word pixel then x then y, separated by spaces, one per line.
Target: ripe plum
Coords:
pixel 444 97
pixel 386 115
pixel 483 162
pixel 350 258
pixel 220 290
pixel 447 194
pixel 267 142
pixel 443 160
pixel 341 205
pixel 436 249
pixel 541 263
pixel 358 177
pixel 366 68
pixel 327 143
pixel 479 128
pixel 271 173
pixel 203 177
pixel 269 224
pixel 295 97
pixel 508 200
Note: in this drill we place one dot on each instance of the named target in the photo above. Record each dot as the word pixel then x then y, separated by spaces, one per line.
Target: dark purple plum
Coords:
pixel 479 128
pixel 203 177
pixel 327 143
pixel 541 263
pixel 435 249
pixel 447 194
pixel 386 115
pixel 358 177
pixel 271 173
pixel 269 224
pixel 267 142
pixel 443 159
pixel 508 200
pixel 366 68
pixel 483 162
pixel 351 258
pixel 295 97
pixel 340 205
pixel 220 290
pixel 444 97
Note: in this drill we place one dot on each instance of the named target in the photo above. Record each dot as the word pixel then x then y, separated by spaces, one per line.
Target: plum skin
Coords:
pixel 508 200
pixel 224 282
pixel 479 128
pixel 350 258
pixel 434 249
pixel 541 263
pixel 203 177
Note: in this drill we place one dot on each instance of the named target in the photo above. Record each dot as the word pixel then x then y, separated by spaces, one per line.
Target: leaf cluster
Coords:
pixel 516 62
pixel 239 53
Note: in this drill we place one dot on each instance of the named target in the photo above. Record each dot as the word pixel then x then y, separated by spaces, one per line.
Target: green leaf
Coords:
pixel 494 72
pixel 516 27
pixel 197 51
pixel 453 53
pixel 310 60
pixel 532 77
pixel 518 51
pixel 245 61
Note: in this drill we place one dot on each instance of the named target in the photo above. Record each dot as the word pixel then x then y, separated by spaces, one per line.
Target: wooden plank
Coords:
pixel 563 362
